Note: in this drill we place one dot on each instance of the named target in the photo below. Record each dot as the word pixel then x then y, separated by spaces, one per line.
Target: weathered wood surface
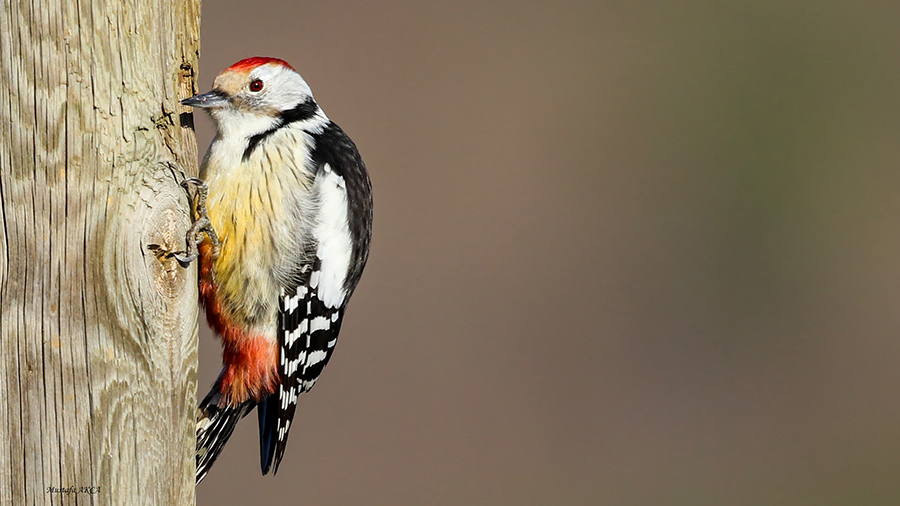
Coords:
pixel 98 347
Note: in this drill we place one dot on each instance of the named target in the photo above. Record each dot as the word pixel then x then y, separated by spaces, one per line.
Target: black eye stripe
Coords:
pixel 303 111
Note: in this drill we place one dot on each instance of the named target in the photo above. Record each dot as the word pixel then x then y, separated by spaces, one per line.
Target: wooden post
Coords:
pixel 98 351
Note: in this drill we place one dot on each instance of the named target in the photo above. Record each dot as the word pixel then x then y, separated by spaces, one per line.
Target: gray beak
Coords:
pixel 214 98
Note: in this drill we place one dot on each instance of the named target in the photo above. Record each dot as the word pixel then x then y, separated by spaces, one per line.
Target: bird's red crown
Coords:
pixel 249 64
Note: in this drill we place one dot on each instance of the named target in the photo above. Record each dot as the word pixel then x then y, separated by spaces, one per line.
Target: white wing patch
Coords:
pixel 319 323
pixel 332 233
pixel 290 303
pixel 315 357
pixel 292 336
pixel 291 367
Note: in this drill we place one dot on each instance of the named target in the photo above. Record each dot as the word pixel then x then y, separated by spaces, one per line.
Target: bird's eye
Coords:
pixel 256 85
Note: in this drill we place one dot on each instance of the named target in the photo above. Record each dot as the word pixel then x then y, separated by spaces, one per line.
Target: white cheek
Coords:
pixel 234 124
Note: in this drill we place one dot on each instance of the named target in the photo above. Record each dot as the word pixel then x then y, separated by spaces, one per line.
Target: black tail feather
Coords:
pixel 268 414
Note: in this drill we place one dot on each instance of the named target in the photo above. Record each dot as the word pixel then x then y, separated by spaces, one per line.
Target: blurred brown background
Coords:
pixel 626 253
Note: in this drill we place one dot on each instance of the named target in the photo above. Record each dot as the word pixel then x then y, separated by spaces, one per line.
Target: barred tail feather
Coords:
pixel 281 426
pixel 214 426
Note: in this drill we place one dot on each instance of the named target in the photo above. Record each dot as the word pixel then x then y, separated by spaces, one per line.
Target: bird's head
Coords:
pixel 255 95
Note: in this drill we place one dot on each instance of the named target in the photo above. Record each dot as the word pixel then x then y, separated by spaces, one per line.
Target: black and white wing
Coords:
pixel 311 312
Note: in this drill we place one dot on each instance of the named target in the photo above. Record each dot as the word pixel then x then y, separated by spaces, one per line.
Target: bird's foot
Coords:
pixel 202 225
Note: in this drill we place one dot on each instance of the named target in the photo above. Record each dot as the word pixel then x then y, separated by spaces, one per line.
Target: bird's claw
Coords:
pixel 196 181
pixel 202 225
pixel 182 259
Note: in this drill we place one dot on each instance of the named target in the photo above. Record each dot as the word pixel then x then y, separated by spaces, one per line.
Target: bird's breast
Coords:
pixel 258 208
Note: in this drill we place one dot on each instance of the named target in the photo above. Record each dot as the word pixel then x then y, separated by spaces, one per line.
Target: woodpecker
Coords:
pixel 290 200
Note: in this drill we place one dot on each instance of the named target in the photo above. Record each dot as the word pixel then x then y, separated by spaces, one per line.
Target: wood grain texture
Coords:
pixel 98 335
